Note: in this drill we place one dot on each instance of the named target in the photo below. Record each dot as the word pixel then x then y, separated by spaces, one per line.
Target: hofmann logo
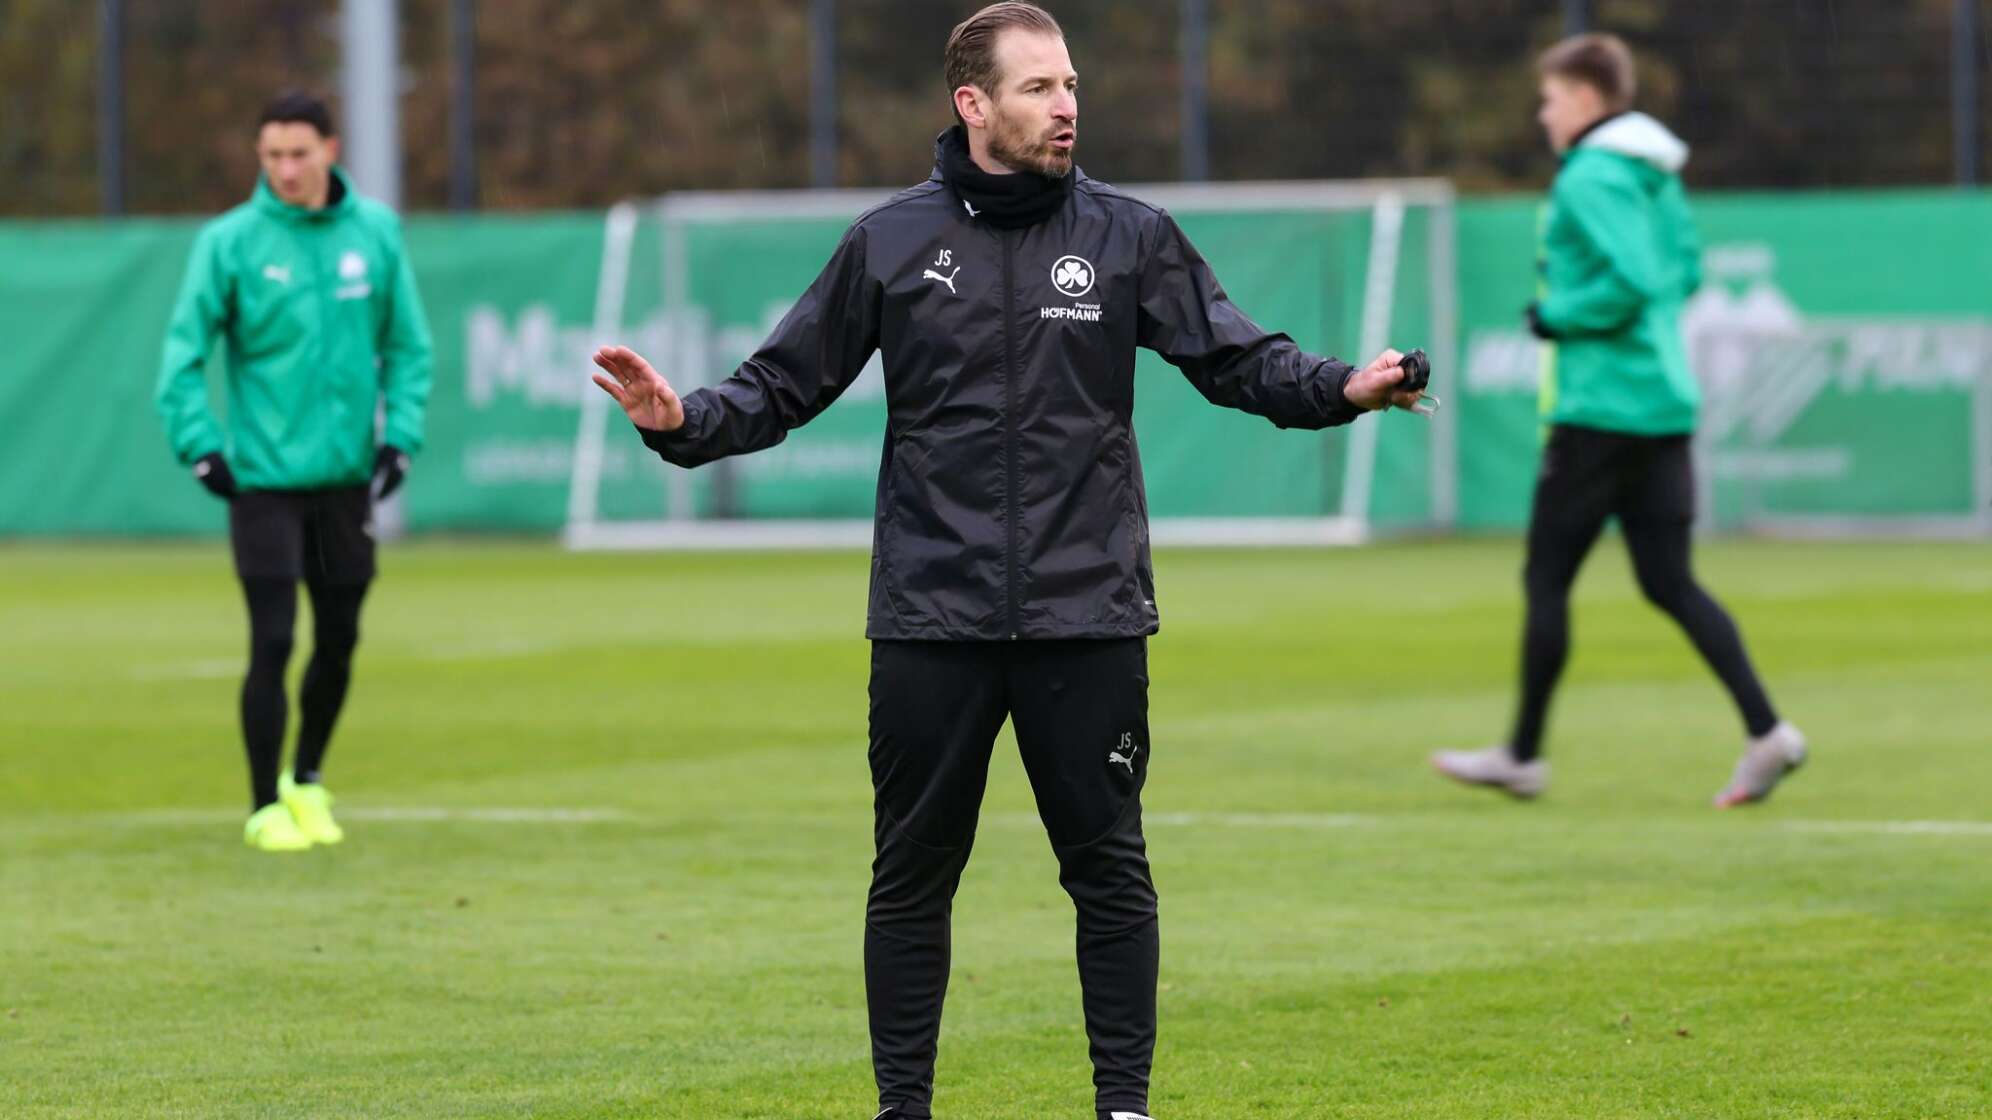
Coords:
pixel 1073 277
pixel 1082 312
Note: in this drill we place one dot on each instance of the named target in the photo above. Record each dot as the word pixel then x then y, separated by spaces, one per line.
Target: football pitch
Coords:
pixel 609 831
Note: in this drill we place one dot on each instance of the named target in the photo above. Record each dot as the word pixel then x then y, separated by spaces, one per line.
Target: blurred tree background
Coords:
pixel 581 102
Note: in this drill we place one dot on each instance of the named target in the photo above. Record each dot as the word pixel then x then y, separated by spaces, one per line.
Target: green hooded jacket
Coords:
pixel 322 320
pixel 1619 257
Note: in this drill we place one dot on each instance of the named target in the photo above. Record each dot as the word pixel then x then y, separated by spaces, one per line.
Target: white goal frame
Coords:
pixel 1386 200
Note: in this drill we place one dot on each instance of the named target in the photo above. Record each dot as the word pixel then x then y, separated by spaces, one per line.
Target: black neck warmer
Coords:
pixel 1013 201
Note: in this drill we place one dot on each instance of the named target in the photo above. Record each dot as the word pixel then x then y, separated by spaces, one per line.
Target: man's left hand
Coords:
pixel 1370 388
pixel 390 470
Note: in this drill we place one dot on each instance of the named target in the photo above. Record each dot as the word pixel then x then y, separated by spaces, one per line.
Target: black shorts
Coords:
pixel 320 536
pixel 1588 475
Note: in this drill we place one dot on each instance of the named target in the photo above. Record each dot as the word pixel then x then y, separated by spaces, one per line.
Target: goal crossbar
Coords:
pixel 1384 200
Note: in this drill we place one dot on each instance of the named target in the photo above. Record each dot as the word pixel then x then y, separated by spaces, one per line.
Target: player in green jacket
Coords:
pixel 309 287
pixel 1619 258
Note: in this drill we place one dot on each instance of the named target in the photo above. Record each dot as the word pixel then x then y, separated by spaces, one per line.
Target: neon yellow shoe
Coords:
pixel 311 807
pixel 272 829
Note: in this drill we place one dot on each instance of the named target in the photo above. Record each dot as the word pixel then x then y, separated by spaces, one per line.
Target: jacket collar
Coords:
pixel 1004 201
pixel 337 205
pixel 1577 141
pixel 1639 137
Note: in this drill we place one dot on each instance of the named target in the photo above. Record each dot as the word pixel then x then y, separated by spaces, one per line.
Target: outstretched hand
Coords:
pixel 1373 386
pixel 642 392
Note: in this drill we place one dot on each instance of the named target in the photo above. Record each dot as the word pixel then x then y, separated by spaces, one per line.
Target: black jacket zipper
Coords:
pixel 1010 511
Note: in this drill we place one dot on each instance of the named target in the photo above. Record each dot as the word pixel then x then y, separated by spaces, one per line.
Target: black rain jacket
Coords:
pixel 1010 501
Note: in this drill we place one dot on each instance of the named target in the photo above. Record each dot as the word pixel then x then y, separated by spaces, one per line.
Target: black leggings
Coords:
pixel 335 614
pixel 1660 560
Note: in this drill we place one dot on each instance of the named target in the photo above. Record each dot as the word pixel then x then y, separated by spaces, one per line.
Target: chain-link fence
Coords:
pixel 515 104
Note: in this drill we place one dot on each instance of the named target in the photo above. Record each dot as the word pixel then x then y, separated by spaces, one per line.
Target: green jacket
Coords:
pixel 1619 257
pixel 322 320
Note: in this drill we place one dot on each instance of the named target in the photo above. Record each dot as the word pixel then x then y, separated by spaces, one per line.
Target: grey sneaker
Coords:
pixel 1766 760
pixel 1494 767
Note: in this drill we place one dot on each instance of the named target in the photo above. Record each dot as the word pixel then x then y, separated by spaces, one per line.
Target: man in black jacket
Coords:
pixel 1010 562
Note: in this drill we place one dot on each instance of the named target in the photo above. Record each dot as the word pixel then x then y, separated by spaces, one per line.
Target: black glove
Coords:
pixel 390 470
pixel 1536 326
pixel 211 471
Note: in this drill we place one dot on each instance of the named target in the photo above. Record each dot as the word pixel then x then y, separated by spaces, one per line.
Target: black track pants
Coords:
pixel 1080 710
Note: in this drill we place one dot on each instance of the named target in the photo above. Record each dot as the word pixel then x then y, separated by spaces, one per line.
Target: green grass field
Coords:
pixel 609 834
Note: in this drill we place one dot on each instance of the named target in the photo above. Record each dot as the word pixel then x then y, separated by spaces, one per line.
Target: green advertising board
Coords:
pixel 1845 340
pixel 1844 343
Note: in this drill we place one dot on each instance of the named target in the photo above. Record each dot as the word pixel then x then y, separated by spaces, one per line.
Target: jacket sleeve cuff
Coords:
pixel 1343 410
pixel 201 451
pixel 661 442
pixel 676 443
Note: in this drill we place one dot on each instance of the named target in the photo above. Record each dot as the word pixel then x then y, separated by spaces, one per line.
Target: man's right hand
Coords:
pixel 211 471
pixel 639 389
pixel 1374 386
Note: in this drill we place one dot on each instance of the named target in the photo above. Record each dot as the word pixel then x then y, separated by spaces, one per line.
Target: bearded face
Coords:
pixel 1023 142
pixel 1033 117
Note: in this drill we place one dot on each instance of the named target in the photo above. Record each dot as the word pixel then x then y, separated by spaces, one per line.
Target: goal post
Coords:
pixel 1347 268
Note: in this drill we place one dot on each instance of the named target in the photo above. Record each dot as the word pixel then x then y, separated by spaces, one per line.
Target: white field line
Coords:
pixel 206 669
pixel 491 649
pixel 494 815
pixel 419 814
pixel 1896 828
pixel 1319 822
pixel 1300 821
pixel 1308 822
pixel 224 668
